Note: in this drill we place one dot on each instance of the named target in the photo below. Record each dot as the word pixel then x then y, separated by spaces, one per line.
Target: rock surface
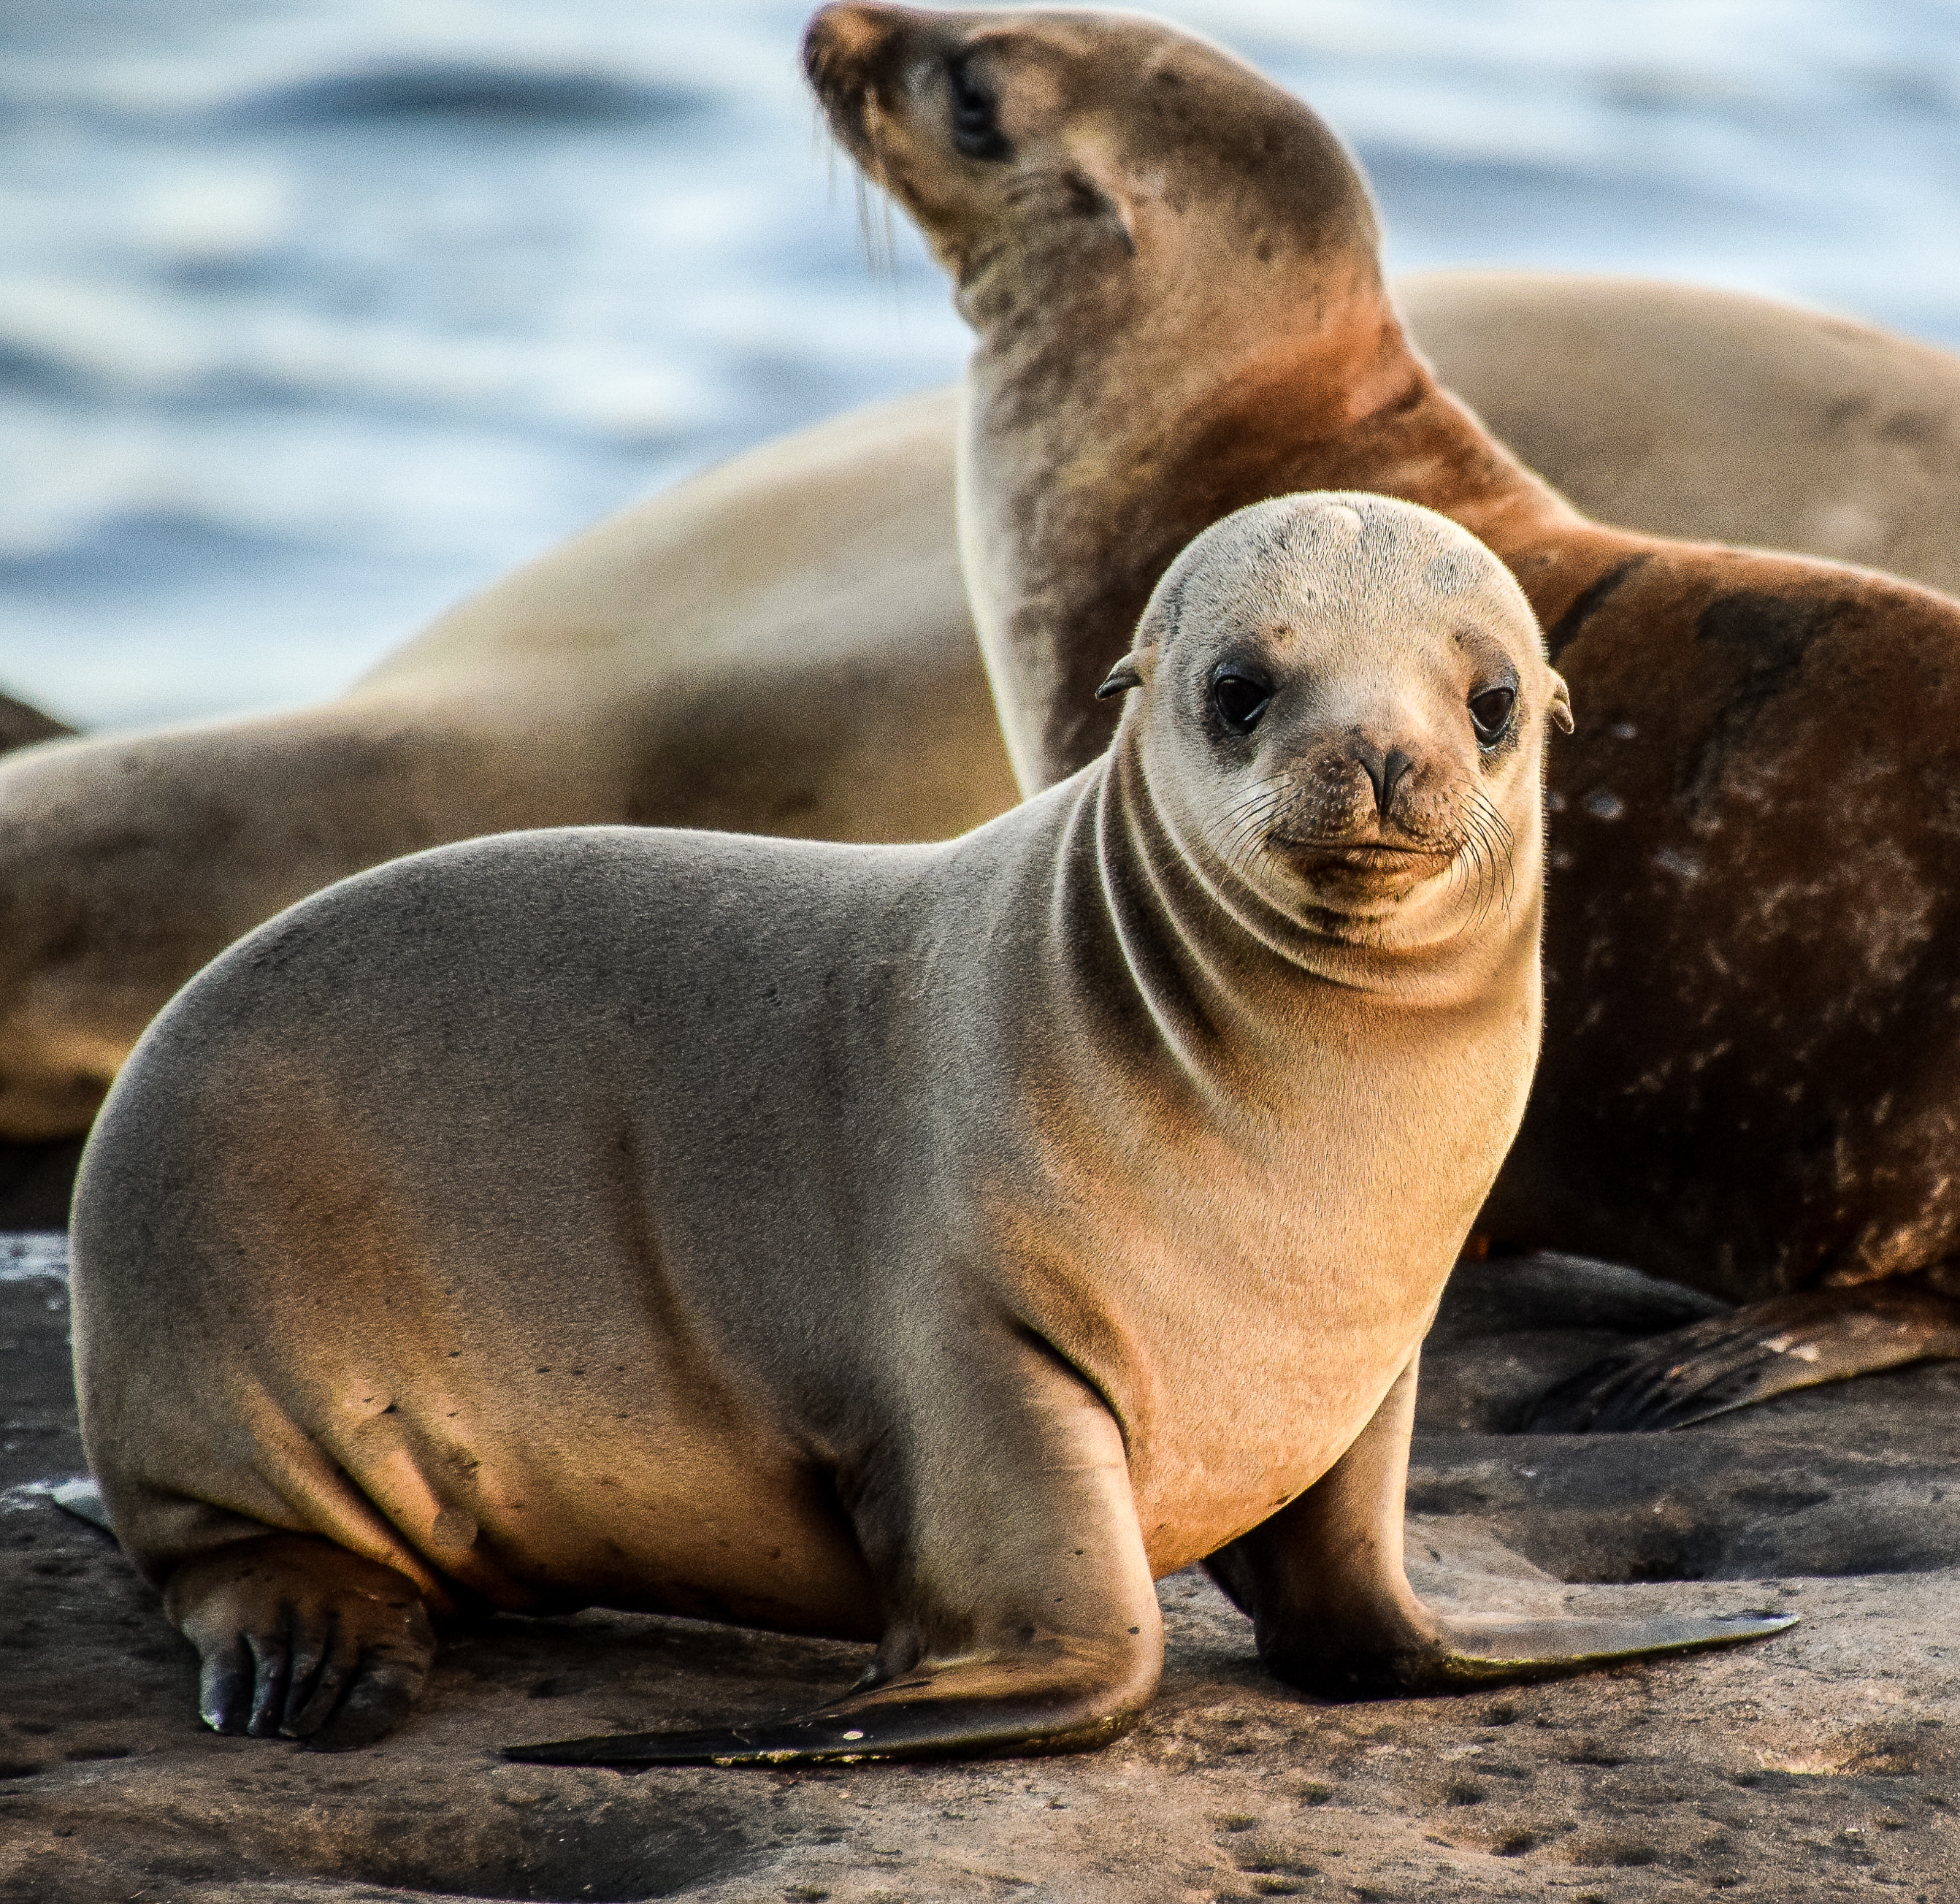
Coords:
pixel 1822 1764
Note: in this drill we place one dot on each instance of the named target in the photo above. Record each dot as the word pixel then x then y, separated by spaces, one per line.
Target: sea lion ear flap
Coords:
pixel 1558 709
pixel 1125 675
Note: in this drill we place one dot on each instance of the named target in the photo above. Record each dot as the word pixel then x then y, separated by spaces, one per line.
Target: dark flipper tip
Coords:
pixel 964 1727
pixel 1528 1649
pixel 789 1742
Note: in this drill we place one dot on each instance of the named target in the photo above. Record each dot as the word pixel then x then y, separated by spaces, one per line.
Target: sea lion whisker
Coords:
pixel 876 232
pixel 1254 814
pixel 1249 820
pixel 1492 859
pixel 1256 828
pixel 1464 863
pixel 1232 811
pixel 1238 796
pixel 1466 881
pixel 1473 866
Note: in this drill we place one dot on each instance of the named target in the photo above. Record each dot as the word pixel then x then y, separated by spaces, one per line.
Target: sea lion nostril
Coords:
pixel 1386 772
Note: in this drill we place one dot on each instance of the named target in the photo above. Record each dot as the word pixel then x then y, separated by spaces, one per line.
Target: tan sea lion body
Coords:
pixel 777 646
pixel 783 644
pixel 844 1239
pixel 1709 415
pixel 1750 1060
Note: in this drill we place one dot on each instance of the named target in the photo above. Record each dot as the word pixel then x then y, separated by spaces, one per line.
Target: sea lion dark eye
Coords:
pixel 976 124
pixel 1240 697
pixel 1490 712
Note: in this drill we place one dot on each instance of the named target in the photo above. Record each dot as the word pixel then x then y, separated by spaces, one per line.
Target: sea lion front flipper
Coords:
pixel 300 1639
pixel 1021 1616
pixel 970 1725
pixel 1762 1349
pixel 1333 1611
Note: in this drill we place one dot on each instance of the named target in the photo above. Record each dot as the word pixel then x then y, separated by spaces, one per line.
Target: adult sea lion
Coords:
pixel 1708 414
pixel 871 1279
pixel 782 645
pixel 776 646
pixel 1752 1053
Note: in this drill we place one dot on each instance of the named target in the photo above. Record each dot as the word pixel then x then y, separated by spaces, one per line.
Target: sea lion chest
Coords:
pixel 1243 1291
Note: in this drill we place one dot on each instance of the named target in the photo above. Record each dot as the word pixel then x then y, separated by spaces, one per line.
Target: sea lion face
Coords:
pixel 1343 700
pixel 1053 153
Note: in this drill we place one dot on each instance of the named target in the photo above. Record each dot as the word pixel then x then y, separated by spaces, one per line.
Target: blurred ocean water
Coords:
pixel 316 314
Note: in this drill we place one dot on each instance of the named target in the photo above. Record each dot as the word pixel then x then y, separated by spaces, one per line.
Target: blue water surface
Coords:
pixel 316 315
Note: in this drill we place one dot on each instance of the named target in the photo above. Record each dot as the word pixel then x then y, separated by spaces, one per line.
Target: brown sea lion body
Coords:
pixel 783 645
pixel 842 1240
pixel 1753 1053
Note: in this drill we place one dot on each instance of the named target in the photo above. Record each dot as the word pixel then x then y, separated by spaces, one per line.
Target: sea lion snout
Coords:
pixel 1370 818
pixel 848 57
pixel 971 119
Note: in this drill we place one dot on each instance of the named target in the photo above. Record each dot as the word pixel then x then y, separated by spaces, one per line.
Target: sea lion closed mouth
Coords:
pixel 1752 1056
pixel 845 1240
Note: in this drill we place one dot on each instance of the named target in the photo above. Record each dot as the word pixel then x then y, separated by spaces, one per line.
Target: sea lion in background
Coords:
pixel 782 645
pixel 862 1160
pixel 776 646
pixel 1752 1051
pixel 1708 414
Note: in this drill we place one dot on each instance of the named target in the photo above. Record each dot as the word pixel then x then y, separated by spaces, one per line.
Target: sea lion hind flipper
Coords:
pixel 1472 1653
pixel 1333 1612
pixel 300 1639
pixel 1764 1348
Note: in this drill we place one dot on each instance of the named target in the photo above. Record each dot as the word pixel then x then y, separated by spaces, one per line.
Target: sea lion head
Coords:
pixel 1094 158
pixel 1337 702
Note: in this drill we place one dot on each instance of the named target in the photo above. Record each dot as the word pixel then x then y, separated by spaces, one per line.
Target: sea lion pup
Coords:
pixel 1751 1055
pixel 671 1220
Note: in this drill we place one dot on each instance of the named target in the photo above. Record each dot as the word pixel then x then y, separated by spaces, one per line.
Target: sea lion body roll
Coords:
pixel 841 1240
pixel 1751 1058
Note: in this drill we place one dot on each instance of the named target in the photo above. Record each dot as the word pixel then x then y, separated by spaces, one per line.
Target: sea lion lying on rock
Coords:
pixel 781 648
pixel 1752 1051
pixel 926 1244
pixel 782 645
